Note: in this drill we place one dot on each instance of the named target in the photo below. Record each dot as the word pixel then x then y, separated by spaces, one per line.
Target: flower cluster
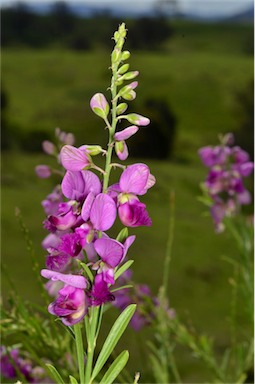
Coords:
pixel 141 295
pixel 228 166
pixel 12 361
pixel 81 258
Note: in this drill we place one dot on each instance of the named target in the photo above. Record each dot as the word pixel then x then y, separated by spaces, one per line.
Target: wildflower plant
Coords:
pixel 83 262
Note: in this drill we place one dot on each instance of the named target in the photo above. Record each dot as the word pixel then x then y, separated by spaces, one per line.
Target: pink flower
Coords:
pixel 43 171
pixel 74 159
pixel 121 148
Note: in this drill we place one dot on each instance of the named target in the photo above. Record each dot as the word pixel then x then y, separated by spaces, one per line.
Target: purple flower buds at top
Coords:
pixel 74 159
pixel 43 171
pixel 48 147
pixel 99 105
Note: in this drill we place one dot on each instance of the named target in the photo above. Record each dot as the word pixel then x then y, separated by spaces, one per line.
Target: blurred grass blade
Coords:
pixel 55 375
pixel 113 337
pixel 115 368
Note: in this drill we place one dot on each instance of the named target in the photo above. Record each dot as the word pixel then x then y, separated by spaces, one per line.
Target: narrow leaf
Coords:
pixel 55 375
pixel 122 235
pixel 123 268
pixel 113 337
pixel 87 271
pixel 73 380
pixel 115 368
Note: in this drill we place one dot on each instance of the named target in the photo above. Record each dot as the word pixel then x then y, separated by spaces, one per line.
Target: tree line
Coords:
pixel 21 26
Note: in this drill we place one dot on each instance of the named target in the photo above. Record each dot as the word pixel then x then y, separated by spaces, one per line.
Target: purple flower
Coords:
pixel 74 159
pixel 134 214
pixel 211 156
pixel 77 185
pixel 9 364
pixel 65 218
pixel 57 261
pixel 43 171
pixel 103 212
pixel 52 201
pixel 100 293
pixel 48 147
pixel 136 179
pixel 70 306
pixel 70 244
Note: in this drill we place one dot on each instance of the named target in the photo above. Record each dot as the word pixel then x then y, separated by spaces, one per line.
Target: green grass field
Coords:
pixel 199 76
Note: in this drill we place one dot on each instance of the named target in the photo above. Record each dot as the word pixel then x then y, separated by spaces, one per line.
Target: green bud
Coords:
pixel 125 55
pixel 122 235
pixel 123 69
pixel 115 55
pixel 94 150
pixel 122 30
pixel 121 108
pixel 129 96
pixel 116 36
pixel 130 75
pixel 120 43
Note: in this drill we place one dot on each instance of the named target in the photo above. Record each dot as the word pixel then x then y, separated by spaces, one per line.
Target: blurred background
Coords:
pixel 196 80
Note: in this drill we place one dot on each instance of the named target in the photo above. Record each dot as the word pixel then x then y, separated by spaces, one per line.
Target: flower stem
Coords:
pixel 91 339
pixel 80 351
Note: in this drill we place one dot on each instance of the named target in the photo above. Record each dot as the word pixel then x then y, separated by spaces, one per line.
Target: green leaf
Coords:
pixel 115 368
pixel 122 235
pixel 73 380
pixel 115 333
pixel 123 268
pixel 55 375
pixel 87 271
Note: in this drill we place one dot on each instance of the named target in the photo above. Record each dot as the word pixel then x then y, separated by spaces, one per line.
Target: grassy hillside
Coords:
pixel 199 74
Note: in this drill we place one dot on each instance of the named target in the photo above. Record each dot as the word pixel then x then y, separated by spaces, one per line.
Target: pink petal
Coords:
pixel 103 212
pixel 73 280
pixel 126 133
pixel 74 159
pixel 134 179
pixel 86 208
pixel 123 152
pixel 110 251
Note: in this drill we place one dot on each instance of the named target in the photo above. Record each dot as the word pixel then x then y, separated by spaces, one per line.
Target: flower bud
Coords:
pixel 99 105
pixel 125 55
pixel 121 108
pixel 131 95
pixel 136 119
pixel 93 150
pixel 128 88
pixel 123 69
pixel 48 147
pixel 43 171
pixel 122 30
pixel 130 75
pixel 116 36
pixel 115 55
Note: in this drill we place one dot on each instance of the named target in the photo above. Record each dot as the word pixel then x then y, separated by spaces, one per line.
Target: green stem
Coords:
pixel 91 339
pixel 111 129
pixel 80 351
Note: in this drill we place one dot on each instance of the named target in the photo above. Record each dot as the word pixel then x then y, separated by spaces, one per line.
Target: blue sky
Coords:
pixel 201 7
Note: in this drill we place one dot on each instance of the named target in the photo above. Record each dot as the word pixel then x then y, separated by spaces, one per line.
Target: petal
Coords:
pixel 73 159
pixel 92 183
pixel 134 179
pixel 73 185
pixel 126 133
pixel 76 281
pixel 111 251
pixel 86 208
pixel 103 212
